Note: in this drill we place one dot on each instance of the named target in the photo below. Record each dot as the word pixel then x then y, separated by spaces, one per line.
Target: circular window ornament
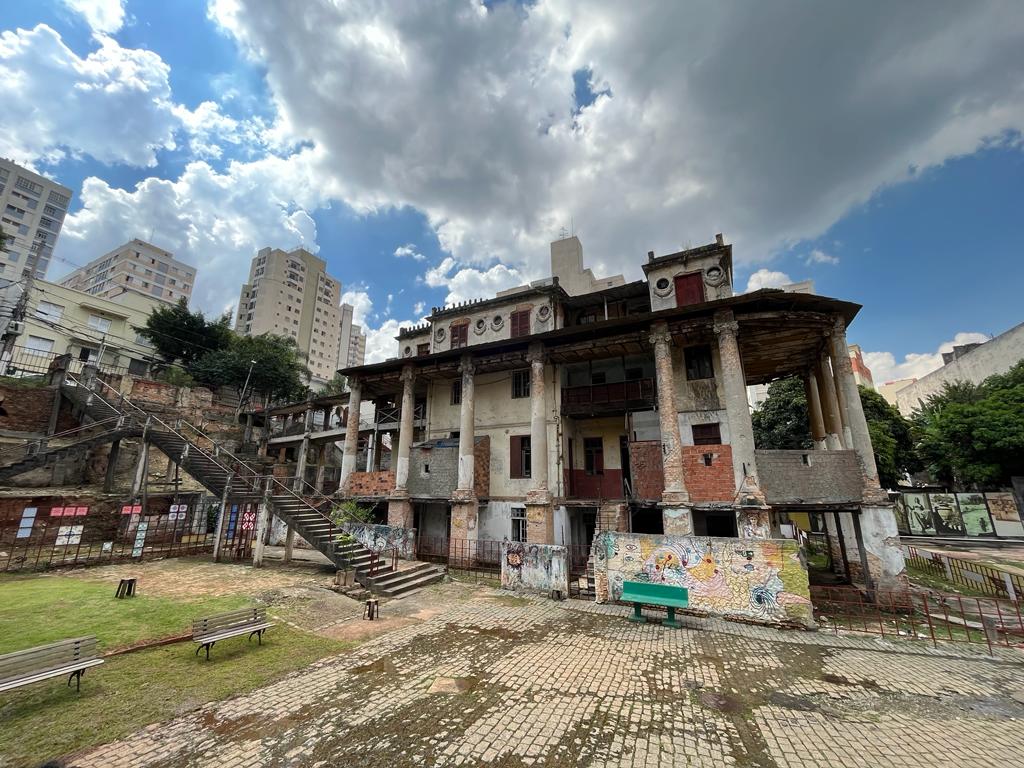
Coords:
pixel 408 351
pixel 544 313
pixel 663 286
pixel 497 323
pixel 439 334
pixel 479 326
pixel 714 276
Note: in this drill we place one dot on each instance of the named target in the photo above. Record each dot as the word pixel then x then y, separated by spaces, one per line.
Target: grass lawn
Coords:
pixel 48 719
pixel 926 578
pixel 38 609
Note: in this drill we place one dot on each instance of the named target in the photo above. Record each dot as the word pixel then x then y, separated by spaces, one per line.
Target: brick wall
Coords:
pixel 826 477
pixel 482 467
pixel 704 483
pixel 647 469
pixel 371 483
pixel 25 409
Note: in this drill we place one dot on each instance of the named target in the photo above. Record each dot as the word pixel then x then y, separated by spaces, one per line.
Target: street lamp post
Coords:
pixel 241 398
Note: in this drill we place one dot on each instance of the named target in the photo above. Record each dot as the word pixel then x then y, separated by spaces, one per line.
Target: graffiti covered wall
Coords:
pixel 534 567
pixel 381 538
pixel 760 579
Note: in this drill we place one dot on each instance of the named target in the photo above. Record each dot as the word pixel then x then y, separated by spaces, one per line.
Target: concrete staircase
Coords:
pixel 308 515
pixel 42 458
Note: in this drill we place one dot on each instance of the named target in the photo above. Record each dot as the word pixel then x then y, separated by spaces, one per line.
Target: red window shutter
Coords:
pixel 689 289
pixel 520 323
pixel 515 453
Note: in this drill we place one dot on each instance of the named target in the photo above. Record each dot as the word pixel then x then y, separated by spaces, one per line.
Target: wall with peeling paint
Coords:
pixel 534 567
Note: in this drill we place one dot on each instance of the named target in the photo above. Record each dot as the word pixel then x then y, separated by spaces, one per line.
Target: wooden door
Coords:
pixel 689 289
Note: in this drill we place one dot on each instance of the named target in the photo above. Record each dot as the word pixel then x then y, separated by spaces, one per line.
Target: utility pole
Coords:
pixel 20 309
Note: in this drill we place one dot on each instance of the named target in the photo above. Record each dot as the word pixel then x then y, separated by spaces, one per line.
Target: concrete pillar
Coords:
pixel 399 506
pixel 465 506
pixel 814 414
pixel 220 518
pixel 842 399
pixel 321 466
pixel 248 428
pixel 259 541
pixel 829 403
pixel 540 515
pixel 351 448
pixel 299 485
pixel 741 428
pixel 108 480
pixel 289 544
pixel 854 413
pixel 675 501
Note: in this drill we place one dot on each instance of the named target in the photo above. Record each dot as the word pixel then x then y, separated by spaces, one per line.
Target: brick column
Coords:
pixel 829 403
pixel 751 515
pixel 675 501
pixel 351 447
pixel 814 415
pixel 465 506
pixel 540 516
pixel 399 506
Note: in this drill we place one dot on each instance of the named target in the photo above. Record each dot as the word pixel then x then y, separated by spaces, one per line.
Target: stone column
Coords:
pixel 299 484
pixel 752 520
pixel 854 413
pixel 351 448
pixel 108 479
pixel 814 414
pixel 321 466
pixel 259 541
pixel 845 430
pixel 465 506
pixel 540 516
pixel 675 501
pixel 399 506
pixel 829 404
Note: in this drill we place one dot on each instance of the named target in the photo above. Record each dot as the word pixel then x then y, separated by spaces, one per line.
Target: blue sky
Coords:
pixel 431 153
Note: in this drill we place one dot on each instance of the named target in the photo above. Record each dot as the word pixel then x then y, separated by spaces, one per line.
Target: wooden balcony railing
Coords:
pixel 603 398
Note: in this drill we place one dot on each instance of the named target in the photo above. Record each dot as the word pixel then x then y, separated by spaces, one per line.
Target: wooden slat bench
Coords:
pixel 67 657
pixel 641 593
pixel 208 630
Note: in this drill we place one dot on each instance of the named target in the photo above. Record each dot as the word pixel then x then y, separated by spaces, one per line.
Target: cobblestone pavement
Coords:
pixel 503 680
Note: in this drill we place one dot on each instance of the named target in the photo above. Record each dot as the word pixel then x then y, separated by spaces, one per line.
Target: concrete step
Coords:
pixel 425 578
pixel 401 575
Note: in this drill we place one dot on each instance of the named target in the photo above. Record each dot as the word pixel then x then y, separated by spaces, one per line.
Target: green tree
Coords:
pixel 180 335
pixel 277 370
pixel 973 436
pixel 781 421
pixel 335 386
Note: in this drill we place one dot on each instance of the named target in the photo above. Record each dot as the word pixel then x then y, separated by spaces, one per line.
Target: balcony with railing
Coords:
pixel 616 397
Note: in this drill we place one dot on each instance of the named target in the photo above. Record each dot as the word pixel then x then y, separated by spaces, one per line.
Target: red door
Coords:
pixel 689 289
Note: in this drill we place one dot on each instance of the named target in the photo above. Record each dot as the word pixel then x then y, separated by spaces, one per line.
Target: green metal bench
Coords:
pixel 641 593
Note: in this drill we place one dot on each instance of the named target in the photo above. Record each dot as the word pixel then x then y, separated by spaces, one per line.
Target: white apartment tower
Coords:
pixel 289 293
pixel 32 211
pixel 352 349
pixel 138 267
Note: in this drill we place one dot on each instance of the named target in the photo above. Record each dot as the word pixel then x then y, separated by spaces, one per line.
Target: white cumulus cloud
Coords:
pixel 361 303
pixel 104 16
pixel 408 251
pixel 767 278
pixel 914 365
pixel 818 256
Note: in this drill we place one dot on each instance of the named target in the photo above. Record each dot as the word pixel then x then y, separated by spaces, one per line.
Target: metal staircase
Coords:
pixel 214 467
pixel 40 455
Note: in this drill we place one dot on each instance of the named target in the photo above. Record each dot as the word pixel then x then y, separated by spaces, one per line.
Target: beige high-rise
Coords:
pixel 289 293
pixel 352 350
pixel 136 266
pixel 32 210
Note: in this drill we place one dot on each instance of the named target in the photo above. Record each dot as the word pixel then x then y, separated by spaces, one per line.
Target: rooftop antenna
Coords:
pixel 572 227
pixel 562 233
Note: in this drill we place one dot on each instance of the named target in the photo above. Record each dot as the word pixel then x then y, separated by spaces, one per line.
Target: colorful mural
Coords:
pixel 761 579
pixel 534 567
pixel 974 514
pixel 383 538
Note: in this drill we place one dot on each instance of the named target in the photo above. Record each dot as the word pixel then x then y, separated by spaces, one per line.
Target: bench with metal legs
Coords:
pixel 209 630
pixel 66 657
pixel 668 596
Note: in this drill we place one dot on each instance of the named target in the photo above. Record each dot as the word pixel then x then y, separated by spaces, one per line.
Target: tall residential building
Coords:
pixel 861 373
pixel 289 293
pixel 352 348
pixel 32 210
pixel 136 266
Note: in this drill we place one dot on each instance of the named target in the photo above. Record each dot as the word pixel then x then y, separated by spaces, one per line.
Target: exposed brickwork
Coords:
pixel 442 458
pixel 830 477
pixel 647 470
pixel 714 483
pixel 482 467
pixel 26 409
pixel 371 483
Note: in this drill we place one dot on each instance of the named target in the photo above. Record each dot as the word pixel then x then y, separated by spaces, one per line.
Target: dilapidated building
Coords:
pixel 578 404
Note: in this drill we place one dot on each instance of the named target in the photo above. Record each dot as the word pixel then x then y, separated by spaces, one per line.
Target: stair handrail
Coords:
pixel 218 448
pixel 57 435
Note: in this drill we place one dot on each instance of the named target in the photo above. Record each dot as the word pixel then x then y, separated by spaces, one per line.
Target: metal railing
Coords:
pixel 976 576
pixel 930 616
pixel 251 475
pixel 33 445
